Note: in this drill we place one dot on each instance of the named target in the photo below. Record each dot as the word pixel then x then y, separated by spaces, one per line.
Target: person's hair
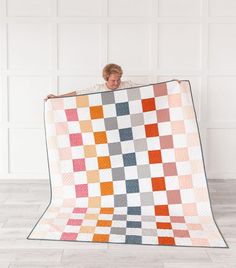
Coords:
pixel 111 69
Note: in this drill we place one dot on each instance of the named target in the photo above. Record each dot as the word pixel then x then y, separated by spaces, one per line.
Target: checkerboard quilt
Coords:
pixel 126 167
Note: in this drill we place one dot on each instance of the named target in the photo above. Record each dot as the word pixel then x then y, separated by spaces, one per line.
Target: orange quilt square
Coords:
pixel 96 112
pixel 107 211
pixel 101 238
pixel 90 151
pixel 104 223
pixel 106 188
pixel 104 162
pixel 100 137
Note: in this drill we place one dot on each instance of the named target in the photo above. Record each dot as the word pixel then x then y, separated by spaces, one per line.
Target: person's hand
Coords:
pixel 177 81
pixel 50 96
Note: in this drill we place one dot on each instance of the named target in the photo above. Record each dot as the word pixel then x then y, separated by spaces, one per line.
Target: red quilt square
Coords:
pixel 154 156
pixel 161 210
pixel 158 184
pixel 166 240
pixel 148 104
pixel 151 130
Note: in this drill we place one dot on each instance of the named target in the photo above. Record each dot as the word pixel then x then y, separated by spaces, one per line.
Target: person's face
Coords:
pixel 113 81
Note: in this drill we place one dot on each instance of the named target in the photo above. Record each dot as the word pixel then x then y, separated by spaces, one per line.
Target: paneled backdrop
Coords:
pixel 55 46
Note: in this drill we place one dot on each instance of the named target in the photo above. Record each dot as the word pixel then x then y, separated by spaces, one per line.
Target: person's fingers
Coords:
pixel 49 97
pixel 179 81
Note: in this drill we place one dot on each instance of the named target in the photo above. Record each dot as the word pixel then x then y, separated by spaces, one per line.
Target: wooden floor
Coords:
pixel 22 203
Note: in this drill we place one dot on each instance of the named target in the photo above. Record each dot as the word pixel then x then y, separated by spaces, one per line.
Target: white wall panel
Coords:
pixel 27 151
pixel 127 8
pixel 29 46
pixel 80 47
pixel 221 152
pixel 179 8
pixel 222 44
pixel 179 47
pixel 26 96
pixel 80 8
pixel 1 100
pixel 71 83
pixel 128 45
pixel 29 7
pixel 222 8
pixel 222 99
pixel 1 152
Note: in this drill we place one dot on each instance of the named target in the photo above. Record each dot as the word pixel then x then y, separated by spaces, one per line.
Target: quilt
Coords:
pixel 126 166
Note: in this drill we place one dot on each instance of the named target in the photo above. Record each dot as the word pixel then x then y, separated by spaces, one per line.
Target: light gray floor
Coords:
pixel 22 203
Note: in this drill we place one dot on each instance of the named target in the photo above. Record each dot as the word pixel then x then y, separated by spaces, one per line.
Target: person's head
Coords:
pixel 112 74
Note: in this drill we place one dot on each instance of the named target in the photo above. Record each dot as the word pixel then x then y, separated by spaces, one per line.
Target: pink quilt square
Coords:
pixel 173 197
pixel 175 100
pixel 76 222
pixel 57 104
pixel 80 210
pixel 61 128
pixel 69 236
pixel 181 233
pixel 166 142
pixel 76 139
pixel 178 127
pixel 169 169
pixel 71 114
pixel 78 164
pixel 163 115
pixel 81 190
pixel 160 89
pixel 65 153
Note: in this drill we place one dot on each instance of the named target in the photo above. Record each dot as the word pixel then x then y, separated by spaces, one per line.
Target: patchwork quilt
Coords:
pixel 126 166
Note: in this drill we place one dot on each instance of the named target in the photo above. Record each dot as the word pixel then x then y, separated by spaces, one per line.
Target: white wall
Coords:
pixel 50 46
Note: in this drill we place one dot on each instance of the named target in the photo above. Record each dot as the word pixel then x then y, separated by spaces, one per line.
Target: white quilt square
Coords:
pixel 109 110
pixel 146 92
pixel 91 163
pixel 150 117
pixel 116 161
pixel 164 129
pixel 98 125
pixel 113 136
pixel 153 143
pixel 135 107
pixel 124 121
pixel 127 146
pixel 83 113
pixel 88 138
pixel 95 99
pixel 138 132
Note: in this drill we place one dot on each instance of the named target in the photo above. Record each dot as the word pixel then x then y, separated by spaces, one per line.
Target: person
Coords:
pixel 112 74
